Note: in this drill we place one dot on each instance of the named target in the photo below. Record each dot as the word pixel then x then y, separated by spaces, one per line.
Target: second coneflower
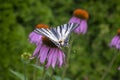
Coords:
pixel 46 50
pixel 115 42
pixel 80 16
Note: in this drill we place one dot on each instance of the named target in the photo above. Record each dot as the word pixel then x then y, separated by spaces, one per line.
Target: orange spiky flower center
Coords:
pixel 42 26
pixel 48 42
pixel 118 32
pixel 80 13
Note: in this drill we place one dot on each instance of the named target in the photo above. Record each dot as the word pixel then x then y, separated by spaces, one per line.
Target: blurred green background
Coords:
pixel 90 54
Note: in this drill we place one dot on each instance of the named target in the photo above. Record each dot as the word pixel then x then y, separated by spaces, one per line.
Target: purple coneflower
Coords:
pixel 80 16
pixel 115 42
pixel 36 38
pixel 46 50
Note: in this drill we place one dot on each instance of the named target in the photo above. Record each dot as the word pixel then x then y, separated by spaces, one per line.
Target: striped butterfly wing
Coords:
pixel 60 33
pixel 47 33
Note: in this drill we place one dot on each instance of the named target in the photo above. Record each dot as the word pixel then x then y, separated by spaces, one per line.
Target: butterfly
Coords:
pixel 58 35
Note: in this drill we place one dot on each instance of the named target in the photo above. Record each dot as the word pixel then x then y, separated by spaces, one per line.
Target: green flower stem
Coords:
pixel 67 60
pixel 44 74
pixel 52 74
pixel 34 71
pixel 109 67
pixel 24 68
pixel 24 71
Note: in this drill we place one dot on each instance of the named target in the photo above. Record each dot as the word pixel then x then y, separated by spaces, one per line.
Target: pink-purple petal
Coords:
pixel 82 28
pixel 35 38
pixel 114 41
pixel 54 58
pixel 43 53
pixel 36 51
pixel 50 55
pixel 60 58
pixel 74 20
pixel 118 44
pixel 77 30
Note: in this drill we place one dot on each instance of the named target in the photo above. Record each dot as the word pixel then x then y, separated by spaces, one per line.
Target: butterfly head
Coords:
pixel 62 43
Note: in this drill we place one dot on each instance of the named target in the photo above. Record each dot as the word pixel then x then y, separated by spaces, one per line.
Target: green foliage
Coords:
pixel 90 54
pixel 19 75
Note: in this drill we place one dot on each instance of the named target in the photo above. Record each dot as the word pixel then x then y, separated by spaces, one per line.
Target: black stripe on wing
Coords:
pixel 49 34
pixel 54 30
pixel 57 32
pixel 66 30
pixel 42 32
pixel 71 27
pixel 74 26
pixel 66 27
pixel 46 32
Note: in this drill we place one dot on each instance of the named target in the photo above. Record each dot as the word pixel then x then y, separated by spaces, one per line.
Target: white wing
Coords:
pixel 60 33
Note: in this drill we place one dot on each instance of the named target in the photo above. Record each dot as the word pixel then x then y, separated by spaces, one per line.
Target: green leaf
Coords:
pixel 36 66
pixel 19 75
pixel 40 68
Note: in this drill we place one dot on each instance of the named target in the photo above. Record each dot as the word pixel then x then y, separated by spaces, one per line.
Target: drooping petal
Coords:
pixel 60 58
pixel 83 26
pixel 114 41
pixel 49 58
pixel 78 30
pixel 43 53
pixel 76 20
pixel 35 38
pixel 36 51
pixel 54 58
pixel 118 44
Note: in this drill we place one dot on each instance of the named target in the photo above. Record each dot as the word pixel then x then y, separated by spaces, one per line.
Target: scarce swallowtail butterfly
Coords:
pixel 58 35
